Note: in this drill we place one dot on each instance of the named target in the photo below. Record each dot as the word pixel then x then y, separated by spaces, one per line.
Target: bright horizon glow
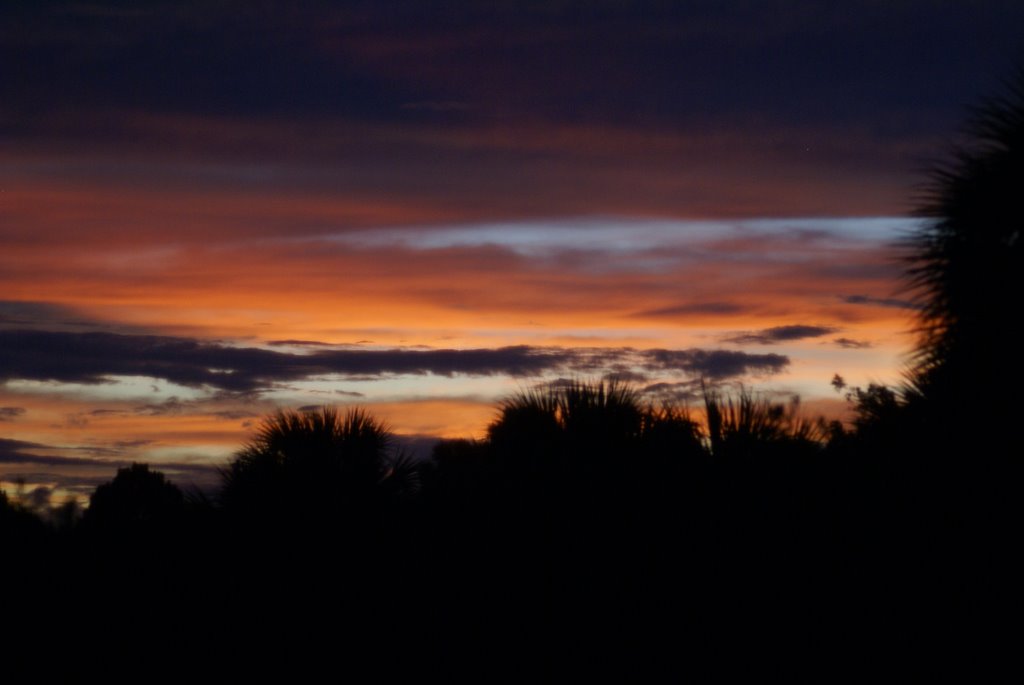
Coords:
pixel 586 284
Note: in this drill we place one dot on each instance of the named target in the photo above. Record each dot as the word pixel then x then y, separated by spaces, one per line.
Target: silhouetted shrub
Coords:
pixel 137 500
pixel 748 425
pixel 18 523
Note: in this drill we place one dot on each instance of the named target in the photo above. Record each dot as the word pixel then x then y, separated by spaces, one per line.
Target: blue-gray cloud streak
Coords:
pixel 92 358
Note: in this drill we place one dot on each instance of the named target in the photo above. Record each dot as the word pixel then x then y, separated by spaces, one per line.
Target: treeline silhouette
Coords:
pixel 590 534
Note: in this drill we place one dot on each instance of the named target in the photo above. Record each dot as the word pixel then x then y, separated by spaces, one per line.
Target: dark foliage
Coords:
pixel 137 502
pixel 317 462
pixel 749 427
pixel 966 266
pixel 18 524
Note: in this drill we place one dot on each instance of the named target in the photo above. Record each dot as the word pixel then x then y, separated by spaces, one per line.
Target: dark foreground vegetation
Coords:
pixel 590 534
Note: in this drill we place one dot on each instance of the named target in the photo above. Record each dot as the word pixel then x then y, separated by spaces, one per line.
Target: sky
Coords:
pixel 211 210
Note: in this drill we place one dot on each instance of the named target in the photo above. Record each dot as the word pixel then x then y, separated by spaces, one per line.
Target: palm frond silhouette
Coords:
pixel 575 420
pixel 748 423
pixel 317 459
pixel 588 432
pixel 966 261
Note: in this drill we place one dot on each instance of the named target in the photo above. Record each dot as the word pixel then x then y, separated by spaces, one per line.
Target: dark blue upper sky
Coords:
pixel 894 65
pixel 482 108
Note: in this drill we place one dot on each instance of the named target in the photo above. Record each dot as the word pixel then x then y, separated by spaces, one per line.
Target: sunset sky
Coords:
pixel 212 209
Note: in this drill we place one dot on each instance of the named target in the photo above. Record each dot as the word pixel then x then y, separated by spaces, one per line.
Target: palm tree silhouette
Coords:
pixel 960 425
pixel 576 416
pixel 748 425
pixel 967 266
pixel 595 436
pixel 316 462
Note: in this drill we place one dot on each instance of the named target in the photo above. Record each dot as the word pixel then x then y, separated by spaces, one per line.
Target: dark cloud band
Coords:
pixel 97 357
pixel 34 461
pixel 881 302
pixel 776 334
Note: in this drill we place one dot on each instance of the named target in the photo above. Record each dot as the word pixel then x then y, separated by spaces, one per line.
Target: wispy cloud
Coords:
pixel 776 334
pixel 695 308
pixel 852 344
pixel 881 301
pixel 10 413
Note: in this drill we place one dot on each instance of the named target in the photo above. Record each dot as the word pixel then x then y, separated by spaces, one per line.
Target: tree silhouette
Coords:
pixel 748 425
pixel 136 501
pixel 956 435
pixel 316 462
pixel 967 270
pixel 18 523
pixel 569 433
pixel 572 426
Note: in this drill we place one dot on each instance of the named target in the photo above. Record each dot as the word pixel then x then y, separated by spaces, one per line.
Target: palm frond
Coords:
pixel 320 454
pixel 748 422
